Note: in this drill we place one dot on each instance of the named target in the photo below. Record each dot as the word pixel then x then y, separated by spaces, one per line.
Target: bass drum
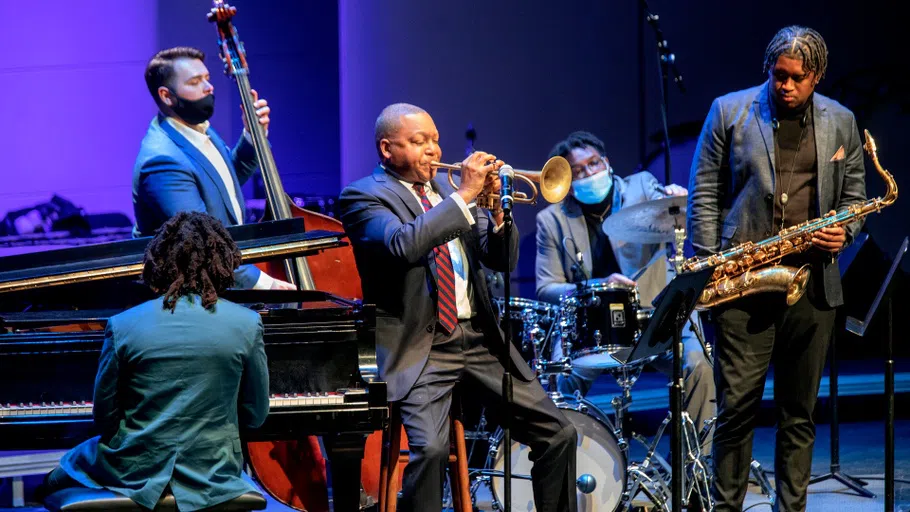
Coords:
pixel 599 462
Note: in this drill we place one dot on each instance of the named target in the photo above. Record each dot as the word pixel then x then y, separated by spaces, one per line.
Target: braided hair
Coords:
pixel 801 43
pixel 192 253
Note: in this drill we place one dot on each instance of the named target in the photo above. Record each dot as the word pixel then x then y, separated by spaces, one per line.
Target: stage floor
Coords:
pixel 861 439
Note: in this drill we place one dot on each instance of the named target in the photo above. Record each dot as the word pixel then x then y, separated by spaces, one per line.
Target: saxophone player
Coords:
pixel 770 157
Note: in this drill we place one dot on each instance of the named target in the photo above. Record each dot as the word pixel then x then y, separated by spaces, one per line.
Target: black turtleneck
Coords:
pixel 603 261
pixel 796 174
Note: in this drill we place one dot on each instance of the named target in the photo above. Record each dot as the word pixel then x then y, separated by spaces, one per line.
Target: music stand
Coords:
pixel 858 327
pixel 673 308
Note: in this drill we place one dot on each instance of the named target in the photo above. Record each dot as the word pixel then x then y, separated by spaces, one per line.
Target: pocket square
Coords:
pixel 838 155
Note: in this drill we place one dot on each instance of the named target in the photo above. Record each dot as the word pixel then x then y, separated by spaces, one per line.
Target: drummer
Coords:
pixel 573 251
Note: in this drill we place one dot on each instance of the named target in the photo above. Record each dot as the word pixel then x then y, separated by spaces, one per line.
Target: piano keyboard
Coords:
pixel 282 402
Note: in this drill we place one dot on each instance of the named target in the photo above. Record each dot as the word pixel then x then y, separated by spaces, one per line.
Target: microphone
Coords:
pixel 775 124
pixel 578 267
pixel 506 176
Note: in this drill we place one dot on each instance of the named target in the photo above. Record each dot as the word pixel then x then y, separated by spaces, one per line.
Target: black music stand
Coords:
pixel 855 484
pixel 672 310
pixel 858 327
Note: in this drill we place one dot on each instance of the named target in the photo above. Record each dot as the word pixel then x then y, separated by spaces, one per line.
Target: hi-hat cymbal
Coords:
pixel 651 222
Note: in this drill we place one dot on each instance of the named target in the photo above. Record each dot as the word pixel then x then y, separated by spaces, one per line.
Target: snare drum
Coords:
pixel 606 321
pixel 530 322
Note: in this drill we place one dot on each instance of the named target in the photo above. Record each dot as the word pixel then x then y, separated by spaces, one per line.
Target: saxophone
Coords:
pixel 753 267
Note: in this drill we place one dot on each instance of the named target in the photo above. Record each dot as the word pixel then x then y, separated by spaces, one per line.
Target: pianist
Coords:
pixel 183 165
pixel 178 376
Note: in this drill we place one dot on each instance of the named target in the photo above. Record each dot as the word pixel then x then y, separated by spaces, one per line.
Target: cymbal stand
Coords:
pixel 679 235
pixel 698 471
pixel 647 478
pixel 654 472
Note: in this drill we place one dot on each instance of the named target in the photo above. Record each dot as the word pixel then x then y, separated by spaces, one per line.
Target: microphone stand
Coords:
pixel 506 357
pixel 666 61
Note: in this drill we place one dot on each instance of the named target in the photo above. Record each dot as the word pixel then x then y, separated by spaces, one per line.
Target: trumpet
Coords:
pixel 555 179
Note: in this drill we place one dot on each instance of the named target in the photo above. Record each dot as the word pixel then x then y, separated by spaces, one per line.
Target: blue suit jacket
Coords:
pixel 171 176
pixel 393 240
pixel 171 392
pixel 731 185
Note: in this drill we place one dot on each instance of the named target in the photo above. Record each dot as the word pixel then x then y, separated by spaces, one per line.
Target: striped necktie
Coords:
pixel 445 276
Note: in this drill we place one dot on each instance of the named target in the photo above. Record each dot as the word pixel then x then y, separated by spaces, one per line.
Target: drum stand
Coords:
pixel 625 375
pixel 652 476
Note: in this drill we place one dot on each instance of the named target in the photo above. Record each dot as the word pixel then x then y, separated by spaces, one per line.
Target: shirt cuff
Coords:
pixel 464 207
pixel 264 282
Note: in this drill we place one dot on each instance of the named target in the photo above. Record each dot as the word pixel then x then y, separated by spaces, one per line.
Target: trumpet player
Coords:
pixel 419 247
pixel 768 158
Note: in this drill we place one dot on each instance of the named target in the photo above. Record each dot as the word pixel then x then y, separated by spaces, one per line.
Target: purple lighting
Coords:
pixel 75 107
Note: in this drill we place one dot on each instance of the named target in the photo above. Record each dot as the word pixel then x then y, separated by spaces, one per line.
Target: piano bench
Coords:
pixel 73 499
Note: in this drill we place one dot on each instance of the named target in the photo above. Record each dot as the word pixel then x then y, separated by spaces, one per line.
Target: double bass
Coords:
pixel 293 472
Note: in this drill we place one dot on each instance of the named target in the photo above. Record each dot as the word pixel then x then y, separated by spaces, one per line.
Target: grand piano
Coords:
pixel 320 348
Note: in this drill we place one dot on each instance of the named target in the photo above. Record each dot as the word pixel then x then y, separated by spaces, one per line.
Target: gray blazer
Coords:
pixel 565 219
pixel 393 240
pixel 171 393
pixel 731 184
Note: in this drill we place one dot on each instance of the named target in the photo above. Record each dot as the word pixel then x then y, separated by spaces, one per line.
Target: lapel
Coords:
pixel 821 125
pixel 578 229
pixel 393 185
pixel 202 163
pixel 763 116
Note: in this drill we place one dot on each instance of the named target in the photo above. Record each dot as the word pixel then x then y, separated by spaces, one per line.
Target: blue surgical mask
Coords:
pixel 593 189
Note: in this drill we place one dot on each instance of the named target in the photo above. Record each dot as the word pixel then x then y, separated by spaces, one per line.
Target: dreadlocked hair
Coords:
pixel 801 43
pixel 192 253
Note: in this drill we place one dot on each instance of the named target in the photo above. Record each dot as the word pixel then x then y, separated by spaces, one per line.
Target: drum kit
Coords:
pixel 595 327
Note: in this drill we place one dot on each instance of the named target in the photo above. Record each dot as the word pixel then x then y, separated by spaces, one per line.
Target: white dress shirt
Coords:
pixel 201 141
pixel 463 290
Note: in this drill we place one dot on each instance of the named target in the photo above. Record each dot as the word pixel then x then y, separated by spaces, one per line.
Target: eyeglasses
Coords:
pixel 593 167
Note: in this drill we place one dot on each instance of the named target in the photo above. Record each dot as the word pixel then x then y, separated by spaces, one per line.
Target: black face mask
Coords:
pixel 194 111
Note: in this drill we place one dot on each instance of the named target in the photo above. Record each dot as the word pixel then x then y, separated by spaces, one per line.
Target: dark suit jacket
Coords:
pixel 171 176
pixel 393 241
pixel 731 184
pixel 171 393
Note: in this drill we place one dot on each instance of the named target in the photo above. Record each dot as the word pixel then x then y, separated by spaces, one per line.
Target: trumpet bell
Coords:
pixel 555 179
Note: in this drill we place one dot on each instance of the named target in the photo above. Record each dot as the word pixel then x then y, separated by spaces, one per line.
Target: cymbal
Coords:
pixel 651 222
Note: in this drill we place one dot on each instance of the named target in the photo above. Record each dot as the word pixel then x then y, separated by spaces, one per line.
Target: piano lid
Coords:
pixel 257 242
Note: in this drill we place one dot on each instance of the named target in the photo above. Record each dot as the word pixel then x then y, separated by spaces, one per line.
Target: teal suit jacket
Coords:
pixel 171 393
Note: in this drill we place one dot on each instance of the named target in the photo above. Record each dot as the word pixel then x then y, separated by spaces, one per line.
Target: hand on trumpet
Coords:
pixel 478 170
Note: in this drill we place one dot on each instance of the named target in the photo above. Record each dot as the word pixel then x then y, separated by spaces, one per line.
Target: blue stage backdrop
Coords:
pixel 524 73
